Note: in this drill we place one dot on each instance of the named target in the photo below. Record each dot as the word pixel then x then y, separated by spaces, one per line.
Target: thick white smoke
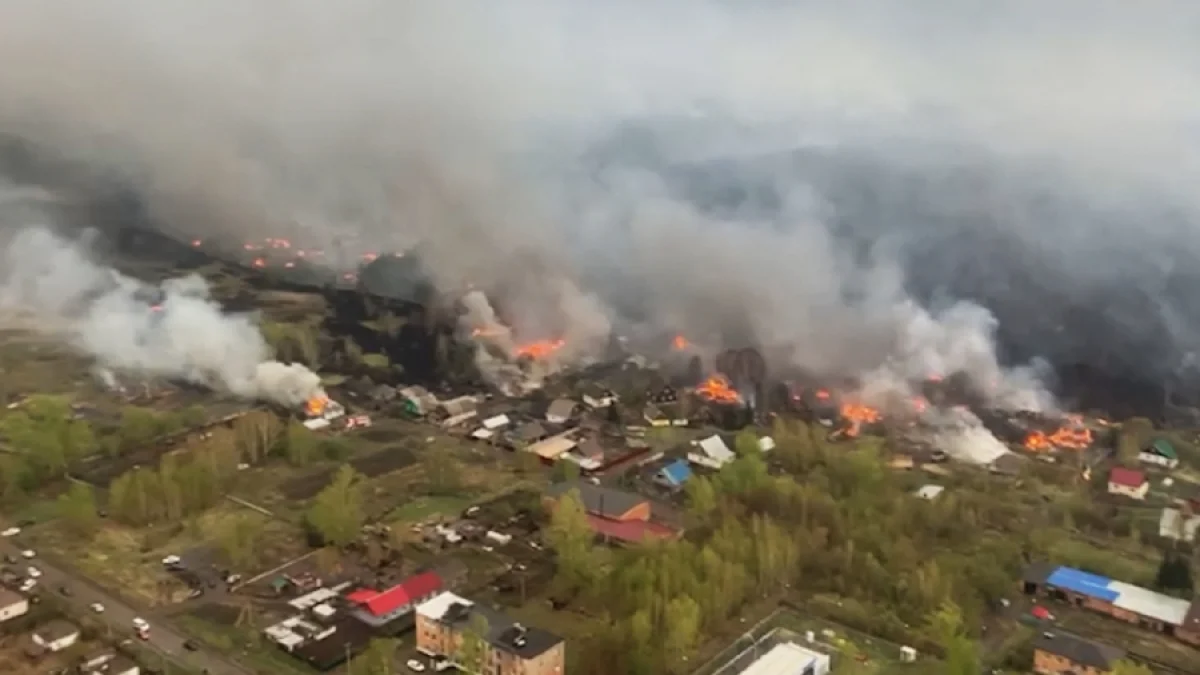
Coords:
pixel 531 145
pixel 173 330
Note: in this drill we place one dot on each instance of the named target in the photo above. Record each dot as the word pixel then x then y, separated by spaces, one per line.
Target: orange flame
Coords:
pixel 858 415
pixel 920 405
pixel 680 343
pixel 314 406
pixel 494 331
pixel 1072 435
pixel 717 389
pixel 260 262
pixel 540 349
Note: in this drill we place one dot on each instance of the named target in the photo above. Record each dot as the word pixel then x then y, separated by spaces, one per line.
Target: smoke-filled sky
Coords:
pixel 831 176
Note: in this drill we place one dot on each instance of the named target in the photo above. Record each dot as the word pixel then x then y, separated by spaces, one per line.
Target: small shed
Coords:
pixel 674 475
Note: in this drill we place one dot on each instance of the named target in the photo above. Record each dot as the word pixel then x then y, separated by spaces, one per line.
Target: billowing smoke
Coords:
pixel 173 330
pixel 821 179
pixel 963 436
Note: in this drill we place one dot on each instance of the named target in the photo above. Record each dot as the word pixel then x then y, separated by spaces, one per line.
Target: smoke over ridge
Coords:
pixel 54 284
pixel 844 180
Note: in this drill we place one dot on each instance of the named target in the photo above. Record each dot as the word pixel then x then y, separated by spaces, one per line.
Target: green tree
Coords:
pixel 563 471
pixel 238 540
pixel 945 625
pixel 701 497
pixel 45 432
pixel 77 508
pixel 746 443
pixel 192 416
pixel 138 427
pixel 570 535
pixel 472 651
pixel 1174 573
pixel 336 514
pixel 378 659
pixel 682 626
pixel 300 445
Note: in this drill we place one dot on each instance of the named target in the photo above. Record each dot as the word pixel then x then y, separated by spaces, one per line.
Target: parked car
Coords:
pixel 27 585
pixel 97 608
pixel 415 666
pixel 172 561
pixel 11 532
pixel 33 572
pixel 28 553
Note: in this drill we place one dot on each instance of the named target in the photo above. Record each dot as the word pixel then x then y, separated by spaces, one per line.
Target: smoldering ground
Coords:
pixel 833 177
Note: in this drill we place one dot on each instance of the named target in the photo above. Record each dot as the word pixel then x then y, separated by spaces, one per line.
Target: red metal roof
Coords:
pixel 1126 477
pixel 412 589
pixel 629 530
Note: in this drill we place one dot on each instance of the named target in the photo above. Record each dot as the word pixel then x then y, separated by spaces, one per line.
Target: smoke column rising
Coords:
pixel 106 315
pixel 537 144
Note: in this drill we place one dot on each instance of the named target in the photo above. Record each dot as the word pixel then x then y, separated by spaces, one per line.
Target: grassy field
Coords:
pixel 128 560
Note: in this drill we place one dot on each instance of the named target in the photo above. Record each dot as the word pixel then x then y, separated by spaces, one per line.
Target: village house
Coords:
pixel 1160 453
pixel 613 515
pixel 1062 654
pixel 527 434
pixel 56 636
pixel 596 396
pixel 930 492
pixel 1174 524
pixel 560 411
pixel 589 455
pixel 674 475
pixel 1119 600
pixel 490 426
pixel 1128 483
pixel 376 608
pixel 12 604
pixel 417 400
pixel 1189 631
pixel 456 411
pixel 553 448
pixel 511 648
pixel 660 415
pixel 711 452
pixel 96 660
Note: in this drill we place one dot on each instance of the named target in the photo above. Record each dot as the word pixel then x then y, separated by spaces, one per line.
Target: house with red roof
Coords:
pixel 1128 483
pixel 377 608
pixel 614 516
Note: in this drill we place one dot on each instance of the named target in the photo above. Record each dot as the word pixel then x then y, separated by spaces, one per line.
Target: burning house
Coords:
pixel 320 411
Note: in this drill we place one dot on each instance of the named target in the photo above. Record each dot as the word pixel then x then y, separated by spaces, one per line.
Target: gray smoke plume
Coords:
pixel 173 330
pixel 823 179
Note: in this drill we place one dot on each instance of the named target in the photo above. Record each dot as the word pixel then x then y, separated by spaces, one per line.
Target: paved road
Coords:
pixel 118 615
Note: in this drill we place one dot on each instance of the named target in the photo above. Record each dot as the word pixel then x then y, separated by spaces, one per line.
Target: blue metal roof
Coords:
pixel 1078 581
pixel 677 472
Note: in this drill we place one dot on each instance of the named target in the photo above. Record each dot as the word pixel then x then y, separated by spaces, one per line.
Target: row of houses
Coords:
pixel 1119 600
pixel 59 635
pixel 331 624
pixel 445 622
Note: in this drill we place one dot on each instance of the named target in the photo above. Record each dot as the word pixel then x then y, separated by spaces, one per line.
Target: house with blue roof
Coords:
pixel 675 474
pixel 1117 599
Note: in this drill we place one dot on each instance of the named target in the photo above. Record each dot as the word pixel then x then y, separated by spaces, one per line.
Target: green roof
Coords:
pixel 1163 447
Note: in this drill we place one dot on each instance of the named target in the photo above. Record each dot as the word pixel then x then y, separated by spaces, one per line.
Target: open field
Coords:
pixel 128 561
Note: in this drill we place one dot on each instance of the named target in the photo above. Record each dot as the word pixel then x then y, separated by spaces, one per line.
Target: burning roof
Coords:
pixel 1071 435
pixel 717 390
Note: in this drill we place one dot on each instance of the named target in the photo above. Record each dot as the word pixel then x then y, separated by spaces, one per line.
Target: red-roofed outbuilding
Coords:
pixel 380 607
pixel 1128 482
